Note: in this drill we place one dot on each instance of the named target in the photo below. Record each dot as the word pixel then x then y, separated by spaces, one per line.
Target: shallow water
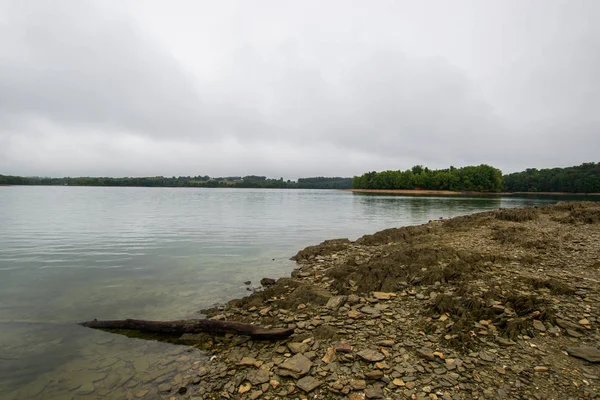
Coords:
pixel 71 254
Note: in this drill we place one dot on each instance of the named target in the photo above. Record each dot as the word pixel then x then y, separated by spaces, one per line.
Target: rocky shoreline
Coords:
pixel 501 304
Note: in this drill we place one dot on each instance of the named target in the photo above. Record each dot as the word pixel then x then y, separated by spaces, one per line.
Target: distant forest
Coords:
pixel 482 178
pixel 584 178
pixel 251 181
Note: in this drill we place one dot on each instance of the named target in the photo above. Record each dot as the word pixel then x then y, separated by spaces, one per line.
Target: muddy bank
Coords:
pixel 501 304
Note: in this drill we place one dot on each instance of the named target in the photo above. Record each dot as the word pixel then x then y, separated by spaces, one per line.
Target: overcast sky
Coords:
pixel 296 88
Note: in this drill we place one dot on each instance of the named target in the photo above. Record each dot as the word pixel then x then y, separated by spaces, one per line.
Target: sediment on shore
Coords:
pixel 500 304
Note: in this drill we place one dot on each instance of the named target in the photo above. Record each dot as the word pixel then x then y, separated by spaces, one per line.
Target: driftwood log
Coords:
pixel 192 326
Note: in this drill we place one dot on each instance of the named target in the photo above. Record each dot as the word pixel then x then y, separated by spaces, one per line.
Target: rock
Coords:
pixel 537 324
pixel 164 388
pixel 373 312
pixel 257 377
pixel 247 283
pixel 584 321
pixel 267 281
pixel 573 333
pixel 398 382
pixel 329 356
pixel 141 393
pixel 370 355
pixel 244 388
pixel 356 396
pixel 358 384
pixel 353 299
pixel 540 368
pixel 274 384
pixel 374 375
pixel 354 314
pixel 383 295
pixel 587 353
pixel 386 343
pixel 426 353
pixel 343 347
pixel 247 361
pixel 298 347
pixel 296 366
pixel 255 395
pixel 567 325
pixel 308 384
pixel 373 393
pixel 336 302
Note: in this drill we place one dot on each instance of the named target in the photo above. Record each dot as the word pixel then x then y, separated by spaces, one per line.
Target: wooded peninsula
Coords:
pixel 584 178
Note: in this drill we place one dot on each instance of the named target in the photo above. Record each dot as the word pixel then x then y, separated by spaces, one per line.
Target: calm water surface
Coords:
pixel 71 254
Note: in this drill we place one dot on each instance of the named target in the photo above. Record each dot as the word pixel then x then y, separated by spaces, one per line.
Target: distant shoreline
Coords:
pixel 415 192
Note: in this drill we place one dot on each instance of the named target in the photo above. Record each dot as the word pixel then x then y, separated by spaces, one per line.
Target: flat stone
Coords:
pixel 573 333
pixel 329 356
pixel 537 324
pixel 587 353
pixel 244 388
pixel 308 384
pixel 374 375
pixel 335 302
pixel 373 393
pixel 386 343
pixel 540 368
pixel 383 295
pixel 258 376
pixel 373 312
pixel 370 355
pixel 343 347
pixel 354 314
pixel 398 382
pixel 248 361
pixel 358 384
pixel 298 347
pixel 426 353
pixel 356 396
pixel 296 366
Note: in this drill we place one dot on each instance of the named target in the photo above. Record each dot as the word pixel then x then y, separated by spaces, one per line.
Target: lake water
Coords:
pixel 70 254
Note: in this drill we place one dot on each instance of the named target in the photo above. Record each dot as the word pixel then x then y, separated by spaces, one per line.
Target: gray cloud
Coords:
pixel 294 89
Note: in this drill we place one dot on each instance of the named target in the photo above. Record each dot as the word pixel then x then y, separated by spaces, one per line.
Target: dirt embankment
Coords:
pixel 501 304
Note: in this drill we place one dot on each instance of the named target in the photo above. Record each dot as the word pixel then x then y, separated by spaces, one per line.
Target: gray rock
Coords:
pixel 336 302
pixel 298 347
pixel 374 375
pixel 539 325
pixel 370 355
pixel 296 367
pixel 426 353
pixel 587 353
pixel 308 383
pixel 373 393
pixel 258 376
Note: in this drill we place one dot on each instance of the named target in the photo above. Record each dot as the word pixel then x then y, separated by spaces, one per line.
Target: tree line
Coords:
pixel 250 181
pixel 584 178
pixel 481 178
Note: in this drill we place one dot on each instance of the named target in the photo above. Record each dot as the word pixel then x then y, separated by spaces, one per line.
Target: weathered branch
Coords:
pixel 192 326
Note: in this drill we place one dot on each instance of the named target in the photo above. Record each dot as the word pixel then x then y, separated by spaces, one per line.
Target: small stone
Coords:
pixel 298 347
pixel 244 388
pixel 255 395
pixel 584 321
pixel 343 347
pixel 537 324
pixel 335 302
pixel 370 355
pixel 258 376
pixel 308 384
pixel 373 393
pixel 540 368
pixel 398 382
pixel 296 367
pixel 374 375
pixel 356 396
pixel 573 333
pixel 426 353
pixel 386 343
pixel 141 393
pixel 354 314
pixel 329 356
pixel 247 361
pixel 383 295
pixel 274 384
pixel 358 384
